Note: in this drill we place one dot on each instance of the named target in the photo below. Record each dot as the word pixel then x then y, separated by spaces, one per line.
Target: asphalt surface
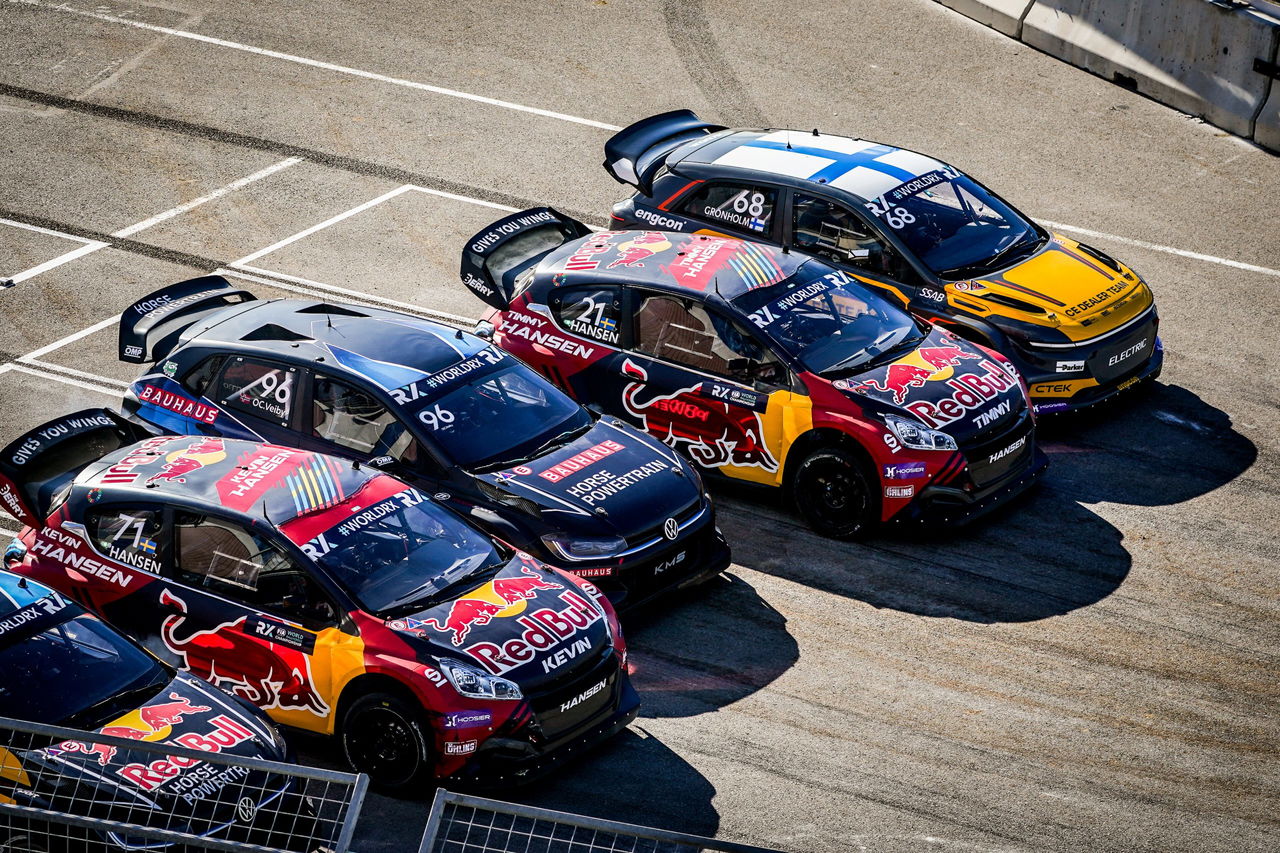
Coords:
pixel 1094 669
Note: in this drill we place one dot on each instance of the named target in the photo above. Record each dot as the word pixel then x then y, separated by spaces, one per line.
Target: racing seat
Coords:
pixel 668 329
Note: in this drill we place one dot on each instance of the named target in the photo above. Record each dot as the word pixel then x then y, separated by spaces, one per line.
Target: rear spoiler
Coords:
pixel 493 258
pixel 634 154
pixel 150 327
pixel 36 466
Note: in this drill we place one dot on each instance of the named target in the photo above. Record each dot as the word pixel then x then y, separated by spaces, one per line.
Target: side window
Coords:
pixel 258 388
pixel 226 559
pixel 352 418
pixel 129 536
pixel 683 331
pixel 198 380
pixel 592 312
pixel 739 207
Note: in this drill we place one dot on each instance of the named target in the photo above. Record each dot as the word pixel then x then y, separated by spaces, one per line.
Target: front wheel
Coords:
pixel 834 494
pixel 387 739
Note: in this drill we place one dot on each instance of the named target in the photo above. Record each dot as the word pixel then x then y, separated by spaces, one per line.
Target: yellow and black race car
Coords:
pixel 1078 325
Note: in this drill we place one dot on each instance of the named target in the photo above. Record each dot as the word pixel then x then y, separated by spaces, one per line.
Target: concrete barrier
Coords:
pixel 1216 59
pixel 1003 15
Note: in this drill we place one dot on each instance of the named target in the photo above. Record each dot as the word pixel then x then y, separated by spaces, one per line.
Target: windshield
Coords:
pixel 402 552
pixel 828 320
pixel 78 665
pixel 494 414
pixel 954 225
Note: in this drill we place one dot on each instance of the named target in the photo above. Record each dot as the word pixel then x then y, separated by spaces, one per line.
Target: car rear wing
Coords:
pixel 493 258
pixel 150 327
pixel 37 465
pixel 634 154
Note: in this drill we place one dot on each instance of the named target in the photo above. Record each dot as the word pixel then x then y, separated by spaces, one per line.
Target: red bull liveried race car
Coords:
pixel 60 666
pixel 437 407
pixel 332 595
pixel 1079 325
pixel 768 367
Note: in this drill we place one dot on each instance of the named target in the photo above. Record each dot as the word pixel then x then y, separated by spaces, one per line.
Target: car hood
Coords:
pixel 1081 291
pixel 947 383
pixel 611 481
pixel 186 712
pixel 529 623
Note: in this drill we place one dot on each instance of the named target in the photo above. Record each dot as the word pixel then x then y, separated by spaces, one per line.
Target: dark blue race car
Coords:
pixel 488 436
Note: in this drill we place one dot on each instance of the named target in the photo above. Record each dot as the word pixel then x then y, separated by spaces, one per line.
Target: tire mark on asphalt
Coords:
pixel 137 247
pixel 707 65
pixel 353 165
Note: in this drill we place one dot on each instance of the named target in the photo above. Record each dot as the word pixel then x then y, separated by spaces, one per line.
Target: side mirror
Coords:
pixel 737 364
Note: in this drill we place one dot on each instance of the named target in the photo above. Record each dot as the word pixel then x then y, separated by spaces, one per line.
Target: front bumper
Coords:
pixel 1094 395
pixel 949 506
pixel 506 762
pixel 697 554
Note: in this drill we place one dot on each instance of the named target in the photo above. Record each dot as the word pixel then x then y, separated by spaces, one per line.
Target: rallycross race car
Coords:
pixel 1079 325
pixel 60 666
pixel 442 409
pixel 768 367
pixel 332 595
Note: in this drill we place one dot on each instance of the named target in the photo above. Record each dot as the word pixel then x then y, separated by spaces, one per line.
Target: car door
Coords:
pixel 704 384
pixel 241 610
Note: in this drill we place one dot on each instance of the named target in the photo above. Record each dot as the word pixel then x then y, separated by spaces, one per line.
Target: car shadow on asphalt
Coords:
pixel 1162 447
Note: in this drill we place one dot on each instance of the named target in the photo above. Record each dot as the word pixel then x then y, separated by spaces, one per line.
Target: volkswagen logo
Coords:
pixel 670 529
pixel 246 809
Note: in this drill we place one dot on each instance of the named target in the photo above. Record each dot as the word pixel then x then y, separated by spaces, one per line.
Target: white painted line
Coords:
pixel 1211 259
pixel 56 368
pixel 71 338
pixel 39 230
pixel 315 63
pixel 22 368
pixel 314 228
pixel 463 198
pixel 89 246
pixel 216 194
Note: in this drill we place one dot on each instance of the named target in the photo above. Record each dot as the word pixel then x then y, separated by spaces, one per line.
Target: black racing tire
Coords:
pixel 834 494
pixel 388 739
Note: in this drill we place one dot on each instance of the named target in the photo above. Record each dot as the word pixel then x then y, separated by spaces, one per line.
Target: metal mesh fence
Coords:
pixel 68 790
pixel 465 824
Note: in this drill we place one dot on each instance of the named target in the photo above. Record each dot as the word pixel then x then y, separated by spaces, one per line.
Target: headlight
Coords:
pixel 475 683
pixel 484 329
pixel 571 548
pixel 16 552
pixel 917 436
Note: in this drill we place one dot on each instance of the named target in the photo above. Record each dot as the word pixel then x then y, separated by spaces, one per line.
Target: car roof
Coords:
pixel 17 592
pixel 861 168
pixel 256 481
pixel 696 262
pixel 387 347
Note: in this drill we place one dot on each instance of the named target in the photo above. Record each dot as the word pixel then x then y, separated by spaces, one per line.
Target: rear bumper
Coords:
pixel 948 506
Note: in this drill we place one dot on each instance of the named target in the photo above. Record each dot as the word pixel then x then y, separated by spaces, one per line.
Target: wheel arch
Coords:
pixel 820 437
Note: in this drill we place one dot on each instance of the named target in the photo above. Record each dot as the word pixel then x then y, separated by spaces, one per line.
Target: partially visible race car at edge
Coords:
pixel 59 665
pixel 766 366
pixel 1080 326
pixel 442 409
pixel 333 596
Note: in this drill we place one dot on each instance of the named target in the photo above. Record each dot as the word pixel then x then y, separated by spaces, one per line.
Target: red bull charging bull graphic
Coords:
pixel 913 371
pixel 268 675
pixel 500 597
pixel 180 463
pixel 633 252
pixel 713 432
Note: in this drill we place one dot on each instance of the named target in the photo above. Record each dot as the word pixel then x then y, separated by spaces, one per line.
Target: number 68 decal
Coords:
pixel 436 417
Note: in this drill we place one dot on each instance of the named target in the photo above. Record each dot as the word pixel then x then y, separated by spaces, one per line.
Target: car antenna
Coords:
pixel 815 132
pixel 458 334
pixel 788 140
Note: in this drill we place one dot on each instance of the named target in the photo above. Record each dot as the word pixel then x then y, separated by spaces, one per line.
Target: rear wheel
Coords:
pixel 834 495
pixel 387 738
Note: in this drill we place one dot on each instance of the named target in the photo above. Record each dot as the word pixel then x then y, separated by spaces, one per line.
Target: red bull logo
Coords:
pixel 633 252
pixel 180 463
pixel 500 597
pixel 924 365
pixel 714 432
pixel 268 675
pixel 150 723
